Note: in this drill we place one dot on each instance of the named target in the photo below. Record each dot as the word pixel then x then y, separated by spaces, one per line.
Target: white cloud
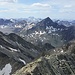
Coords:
pixel 65 11
pixel 40 5
pixel 36 8
pixel 9 1
pixel 53 8
pixel 3 10
pixel 68 6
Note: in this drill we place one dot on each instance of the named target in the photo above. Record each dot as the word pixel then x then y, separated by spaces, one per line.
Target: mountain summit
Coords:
pixel 47 21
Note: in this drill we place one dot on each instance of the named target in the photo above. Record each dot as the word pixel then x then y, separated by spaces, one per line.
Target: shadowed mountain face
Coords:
pixel 61 61
pixel 69 34
pixel 17 48
pixel 5 22
pixel 17 52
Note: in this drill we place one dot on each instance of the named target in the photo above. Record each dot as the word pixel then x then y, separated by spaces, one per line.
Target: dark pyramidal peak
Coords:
pixel 45 22
pixel 59 62
pixel 47 19
pixel 48 22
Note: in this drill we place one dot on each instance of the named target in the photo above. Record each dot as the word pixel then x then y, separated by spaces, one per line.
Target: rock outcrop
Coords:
pixel 15 51
pixel 60 61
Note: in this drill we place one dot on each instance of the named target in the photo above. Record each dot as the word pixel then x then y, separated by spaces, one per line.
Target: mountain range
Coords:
pixel 33 46
pixel 8 26
pixel 48 31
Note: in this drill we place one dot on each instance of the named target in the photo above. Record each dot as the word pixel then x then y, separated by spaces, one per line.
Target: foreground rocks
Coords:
pixel 59 62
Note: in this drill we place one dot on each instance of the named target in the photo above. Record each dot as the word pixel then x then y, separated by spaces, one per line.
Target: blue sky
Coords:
pixel 55 9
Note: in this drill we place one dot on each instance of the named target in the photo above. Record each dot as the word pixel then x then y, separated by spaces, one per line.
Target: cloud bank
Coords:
pixel 52 8
pixel 9 1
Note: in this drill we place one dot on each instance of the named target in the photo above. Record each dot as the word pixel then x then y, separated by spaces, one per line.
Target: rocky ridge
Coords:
pixel 61 61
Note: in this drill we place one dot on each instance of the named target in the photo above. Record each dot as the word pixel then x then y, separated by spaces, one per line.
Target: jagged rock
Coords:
pixel 53 63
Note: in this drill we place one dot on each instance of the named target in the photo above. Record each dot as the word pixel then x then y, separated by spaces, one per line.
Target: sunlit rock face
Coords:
pixel 61 61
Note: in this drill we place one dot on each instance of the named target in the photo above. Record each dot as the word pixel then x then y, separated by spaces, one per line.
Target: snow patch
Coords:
pixel 42 40
pixel 6 70
pixel 39 33
pixel 3 26
pixel 36 32
pixel 54 50
pixel 50 29
pixel 13 49
pixel 62 51
pixel 18 26
pixel 22 61
pixel 1 46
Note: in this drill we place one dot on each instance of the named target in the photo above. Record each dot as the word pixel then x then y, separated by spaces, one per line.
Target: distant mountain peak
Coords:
pixel 48 19
pixel 46 22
